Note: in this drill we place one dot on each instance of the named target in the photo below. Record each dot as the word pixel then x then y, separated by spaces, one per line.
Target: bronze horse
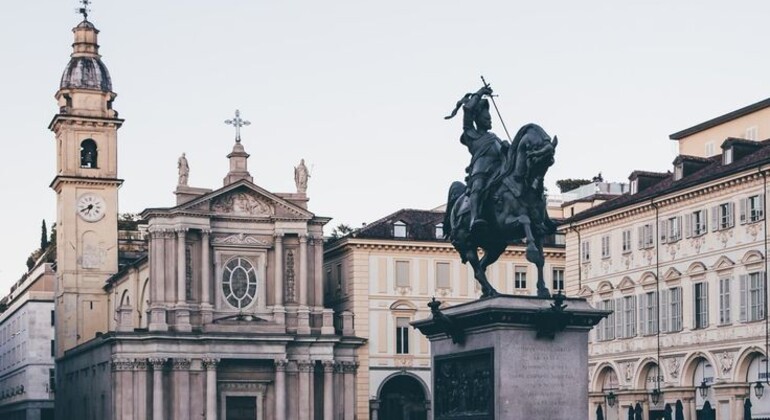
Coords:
pixel 515 206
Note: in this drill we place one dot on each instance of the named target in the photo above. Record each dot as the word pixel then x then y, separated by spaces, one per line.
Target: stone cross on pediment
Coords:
pixel 237 122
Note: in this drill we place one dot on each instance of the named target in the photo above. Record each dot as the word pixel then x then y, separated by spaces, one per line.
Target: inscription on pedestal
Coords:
pixel 464 386
pixel 541 368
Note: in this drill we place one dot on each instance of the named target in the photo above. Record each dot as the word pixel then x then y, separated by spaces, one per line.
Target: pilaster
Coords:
pixel 181 387
pixel 157 387
pixel 280 388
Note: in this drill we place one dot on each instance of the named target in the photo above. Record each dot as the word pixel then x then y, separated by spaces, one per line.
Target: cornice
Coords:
pixel 84 120
pixel 693 193
pixel 438 247
pixel 81 180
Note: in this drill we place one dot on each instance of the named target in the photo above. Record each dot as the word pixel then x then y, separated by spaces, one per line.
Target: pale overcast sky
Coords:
pixel 359 89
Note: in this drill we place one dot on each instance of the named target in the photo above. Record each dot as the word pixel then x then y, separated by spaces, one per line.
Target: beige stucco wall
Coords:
pixel 695 145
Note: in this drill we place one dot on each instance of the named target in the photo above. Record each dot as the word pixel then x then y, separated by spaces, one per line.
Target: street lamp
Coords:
pixel 655 395
pixel 759 389
pixel 703 388
pixel 611 398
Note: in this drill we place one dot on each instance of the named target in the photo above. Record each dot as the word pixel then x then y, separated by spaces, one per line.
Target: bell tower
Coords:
pixel 86 186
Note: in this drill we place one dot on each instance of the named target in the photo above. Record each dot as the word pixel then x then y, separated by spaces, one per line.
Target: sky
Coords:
pixel 359 90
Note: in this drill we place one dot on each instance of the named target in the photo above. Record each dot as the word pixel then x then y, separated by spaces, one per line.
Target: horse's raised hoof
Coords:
pixel 543 293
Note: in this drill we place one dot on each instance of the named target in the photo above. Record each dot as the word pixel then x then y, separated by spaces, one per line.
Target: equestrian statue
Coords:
pixel 503 199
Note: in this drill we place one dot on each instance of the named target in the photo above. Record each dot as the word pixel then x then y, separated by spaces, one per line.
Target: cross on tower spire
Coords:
pixel 237 122
pixel 84 10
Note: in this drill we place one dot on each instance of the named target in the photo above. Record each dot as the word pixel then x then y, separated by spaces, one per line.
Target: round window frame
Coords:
pixel 226 283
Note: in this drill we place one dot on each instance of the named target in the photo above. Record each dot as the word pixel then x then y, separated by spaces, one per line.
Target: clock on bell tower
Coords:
pixel 86 186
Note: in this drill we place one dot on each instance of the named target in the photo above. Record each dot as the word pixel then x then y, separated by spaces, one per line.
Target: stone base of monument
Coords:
pixel 510 358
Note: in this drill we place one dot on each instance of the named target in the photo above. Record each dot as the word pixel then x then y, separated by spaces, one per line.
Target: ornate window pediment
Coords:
pixel 696 268
pixel 626 283
pixel 403 305
pixel 672 274
pixel 723 263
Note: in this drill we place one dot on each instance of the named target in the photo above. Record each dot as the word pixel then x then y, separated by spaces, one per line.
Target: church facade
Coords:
pixel 213 308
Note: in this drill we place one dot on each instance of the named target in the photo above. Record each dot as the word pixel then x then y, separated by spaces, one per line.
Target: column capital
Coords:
pixel 122 364
pixel 210 363
pixel 158 362
pixel 328 365
pixel 181 230
pixel 278 234
pixel 181 363
pixel 206 231
pixel 349 367
pixel 303 237
pixel 139 364
pixel 280 365
pixel 305 365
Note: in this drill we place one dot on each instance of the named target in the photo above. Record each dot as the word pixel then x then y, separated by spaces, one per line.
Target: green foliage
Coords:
pixel 44 237
pixel 570 184
pixel 341 230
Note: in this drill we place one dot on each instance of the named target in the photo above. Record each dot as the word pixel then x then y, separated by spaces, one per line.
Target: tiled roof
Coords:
pixel 420 225
pixel 714 170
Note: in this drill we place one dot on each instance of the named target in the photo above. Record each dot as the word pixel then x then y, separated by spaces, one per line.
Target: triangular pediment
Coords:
pixel 723 263
pixel 244 199
pixel 626 283
pixel 671 274
pixel 585 292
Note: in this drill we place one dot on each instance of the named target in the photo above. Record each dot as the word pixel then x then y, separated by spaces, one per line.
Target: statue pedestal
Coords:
pixel 517 357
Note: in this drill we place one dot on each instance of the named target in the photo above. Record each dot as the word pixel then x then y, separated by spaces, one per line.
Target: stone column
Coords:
pixel 157 387
pixel 181 388
pixel 303 313
pixel 211 388
pixel 328 389
pixel 139 397
pixel 318 275
pixel 349 369
pixel 182 311
pixel 305 367
pixel 157 321
pixel 280 388
pixel 207 316
pixel 123 387
pixel 278 309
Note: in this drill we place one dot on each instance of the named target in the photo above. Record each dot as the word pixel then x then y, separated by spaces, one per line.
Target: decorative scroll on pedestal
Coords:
pixel 464 387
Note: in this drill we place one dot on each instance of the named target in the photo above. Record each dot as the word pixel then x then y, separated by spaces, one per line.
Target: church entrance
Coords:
pixel 241 408
pixel 403 398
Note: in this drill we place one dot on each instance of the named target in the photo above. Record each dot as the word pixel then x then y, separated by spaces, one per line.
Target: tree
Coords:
pixel 570 184
pixel 341 230
pixel 44 237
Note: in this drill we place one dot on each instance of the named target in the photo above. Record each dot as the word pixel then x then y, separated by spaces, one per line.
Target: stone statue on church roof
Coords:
pixel 301 174
pixel 184 170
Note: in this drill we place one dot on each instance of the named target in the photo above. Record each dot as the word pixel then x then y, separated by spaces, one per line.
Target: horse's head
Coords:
pixel 540 156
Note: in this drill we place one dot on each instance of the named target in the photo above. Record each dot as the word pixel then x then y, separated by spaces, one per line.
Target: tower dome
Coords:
pixel 86 69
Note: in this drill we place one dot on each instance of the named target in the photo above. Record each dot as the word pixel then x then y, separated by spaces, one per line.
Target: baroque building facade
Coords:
pixel 27 373
pixel 382 276
pixel 212 308
pixel 681 260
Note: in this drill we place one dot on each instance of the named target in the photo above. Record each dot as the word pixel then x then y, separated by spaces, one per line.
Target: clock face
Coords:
pixel 91 207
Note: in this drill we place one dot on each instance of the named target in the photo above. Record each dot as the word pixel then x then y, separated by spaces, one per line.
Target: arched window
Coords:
pixel 239 283
pixel 88 154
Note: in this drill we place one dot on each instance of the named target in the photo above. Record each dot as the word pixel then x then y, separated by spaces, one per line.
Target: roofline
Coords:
pixel 348 240
pixel 721 119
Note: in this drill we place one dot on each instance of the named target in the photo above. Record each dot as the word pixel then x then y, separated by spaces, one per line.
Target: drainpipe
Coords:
pixel 767 326
pixel 580 257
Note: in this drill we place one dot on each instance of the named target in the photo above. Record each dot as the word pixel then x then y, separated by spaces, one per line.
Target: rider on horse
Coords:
pixel 487 150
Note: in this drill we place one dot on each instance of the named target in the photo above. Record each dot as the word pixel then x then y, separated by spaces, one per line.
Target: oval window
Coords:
pixel 239 283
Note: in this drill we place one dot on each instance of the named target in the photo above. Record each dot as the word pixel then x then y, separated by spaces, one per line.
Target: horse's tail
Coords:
pixel 456 190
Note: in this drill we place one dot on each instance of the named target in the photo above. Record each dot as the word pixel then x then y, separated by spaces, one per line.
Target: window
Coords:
pixel 585 253
pixel 53 318
pixel 239 283
pixel 671 310
pixel 678 171
pixel 606 329
pixel 402 273
pixel 440 231
pixel 753 209
pixel 338 277
pixel 627 241
pixel 559 239
pixel 53 348
pixel 670 229
pixel 629 316
pixel 520 277
pixel 634 186
pixel 709 149
pixel 557 275
pixel 88 154
pixel 51 380
pixel 695 223
pixel 751 133
pixel 722 216
pixel 727 156
pixel 645 236
pixel 606 246
pixel 752 297
pixel 402 335
pixel 648 313
pixel 399 229
pixel 442 275
pixel 724 301
pixel 701 295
